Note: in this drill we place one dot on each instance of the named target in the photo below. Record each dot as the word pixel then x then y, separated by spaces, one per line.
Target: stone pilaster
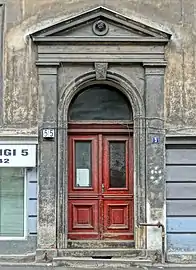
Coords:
pixel 47 158
pixel 155 150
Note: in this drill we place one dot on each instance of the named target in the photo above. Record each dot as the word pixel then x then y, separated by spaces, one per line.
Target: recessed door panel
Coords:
pixel 83 219
pixel 118 219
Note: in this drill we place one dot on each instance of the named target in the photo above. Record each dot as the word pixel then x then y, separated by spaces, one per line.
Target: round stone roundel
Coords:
pixel 100 28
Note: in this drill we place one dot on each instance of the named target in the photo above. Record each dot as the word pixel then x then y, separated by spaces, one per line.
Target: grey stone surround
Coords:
pixel 130 57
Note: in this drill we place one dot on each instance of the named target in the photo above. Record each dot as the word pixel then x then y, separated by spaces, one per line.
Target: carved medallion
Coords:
pixel 101 71
pixel 100 28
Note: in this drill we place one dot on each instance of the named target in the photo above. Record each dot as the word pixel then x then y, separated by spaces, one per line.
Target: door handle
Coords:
pixel 103 188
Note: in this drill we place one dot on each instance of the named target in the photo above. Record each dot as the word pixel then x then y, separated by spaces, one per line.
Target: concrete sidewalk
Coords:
pixel 14 266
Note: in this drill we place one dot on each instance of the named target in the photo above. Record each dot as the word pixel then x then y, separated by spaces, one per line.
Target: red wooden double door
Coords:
pixel 100 193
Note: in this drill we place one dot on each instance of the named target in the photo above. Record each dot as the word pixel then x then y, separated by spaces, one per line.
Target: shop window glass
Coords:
pixel 11 202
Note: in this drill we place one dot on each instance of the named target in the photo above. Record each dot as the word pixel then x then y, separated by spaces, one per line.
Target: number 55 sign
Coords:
pixel 48 133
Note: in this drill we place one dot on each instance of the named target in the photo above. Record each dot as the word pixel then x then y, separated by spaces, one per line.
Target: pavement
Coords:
pixel 35 267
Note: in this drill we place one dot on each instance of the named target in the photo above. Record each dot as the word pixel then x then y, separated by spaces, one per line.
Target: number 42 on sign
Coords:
pixel 17 155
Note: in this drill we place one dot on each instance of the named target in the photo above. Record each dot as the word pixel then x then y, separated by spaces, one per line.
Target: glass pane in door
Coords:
pixel 117 154
pixel 83 164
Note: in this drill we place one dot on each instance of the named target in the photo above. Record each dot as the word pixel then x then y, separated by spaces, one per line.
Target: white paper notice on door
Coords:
pixel 82 177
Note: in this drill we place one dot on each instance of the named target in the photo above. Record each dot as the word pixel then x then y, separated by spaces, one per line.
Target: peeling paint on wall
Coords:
pixel 180 73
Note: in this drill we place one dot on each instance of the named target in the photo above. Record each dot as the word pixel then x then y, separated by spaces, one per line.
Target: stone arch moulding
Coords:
pixel 126 85
pixel 122 41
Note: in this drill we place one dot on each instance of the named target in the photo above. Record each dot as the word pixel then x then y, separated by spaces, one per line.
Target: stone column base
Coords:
pixel 45 255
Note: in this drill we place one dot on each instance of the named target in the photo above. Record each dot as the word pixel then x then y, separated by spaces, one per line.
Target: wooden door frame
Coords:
pixel 108 129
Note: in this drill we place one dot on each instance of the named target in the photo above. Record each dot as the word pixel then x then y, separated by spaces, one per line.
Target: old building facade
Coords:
pixel 97 125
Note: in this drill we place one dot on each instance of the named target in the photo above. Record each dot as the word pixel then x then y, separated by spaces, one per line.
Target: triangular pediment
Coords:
pixel 100 23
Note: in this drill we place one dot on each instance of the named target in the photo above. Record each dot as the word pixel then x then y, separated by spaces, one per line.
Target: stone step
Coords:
pixel 102 262
pixel 104 252
pixel 92 244
pixel 17 258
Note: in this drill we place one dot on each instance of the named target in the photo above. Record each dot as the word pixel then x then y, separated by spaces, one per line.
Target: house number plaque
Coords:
pixel 48 133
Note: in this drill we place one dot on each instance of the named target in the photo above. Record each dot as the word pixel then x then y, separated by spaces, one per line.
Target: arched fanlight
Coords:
pixel 100 102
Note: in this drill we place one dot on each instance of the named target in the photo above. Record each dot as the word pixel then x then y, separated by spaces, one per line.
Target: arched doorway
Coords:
pixel 100 165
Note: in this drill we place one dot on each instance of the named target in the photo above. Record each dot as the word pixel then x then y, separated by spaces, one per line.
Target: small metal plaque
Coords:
pixel 155 139
pixel 48 133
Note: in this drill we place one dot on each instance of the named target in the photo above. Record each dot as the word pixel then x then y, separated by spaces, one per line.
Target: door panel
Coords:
pixel 117 195
pixel 100 187
pixel 118 219
pixel 83 219
pixel 83 185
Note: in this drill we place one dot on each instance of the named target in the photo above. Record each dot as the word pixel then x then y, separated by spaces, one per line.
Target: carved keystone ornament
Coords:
pixel 101 71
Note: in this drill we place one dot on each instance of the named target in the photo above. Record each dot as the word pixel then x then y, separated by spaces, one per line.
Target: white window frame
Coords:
pixel 25 234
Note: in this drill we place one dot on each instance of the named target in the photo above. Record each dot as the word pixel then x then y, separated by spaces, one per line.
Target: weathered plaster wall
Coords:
pixel 20 76
pixel 25 16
